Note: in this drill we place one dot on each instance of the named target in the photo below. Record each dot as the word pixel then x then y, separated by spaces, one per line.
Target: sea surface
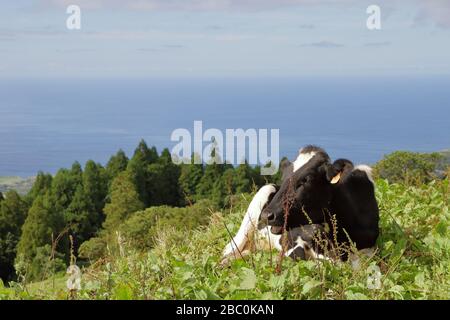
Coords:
pixel 46 124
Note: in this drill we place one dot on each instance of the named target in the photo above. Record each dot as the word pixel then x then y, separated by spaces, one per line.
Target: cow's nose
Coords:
pixel 270 216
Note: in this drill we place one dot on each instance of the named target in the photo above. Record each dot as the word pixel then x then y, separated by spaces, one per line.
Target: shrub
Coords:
pixel 43 265
pixel 408 167
pixel 142 227
pixel 93 249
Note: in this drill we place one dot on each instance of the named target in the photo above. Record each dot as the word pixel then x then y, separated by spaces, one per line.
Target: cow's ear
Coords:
pixel 332 175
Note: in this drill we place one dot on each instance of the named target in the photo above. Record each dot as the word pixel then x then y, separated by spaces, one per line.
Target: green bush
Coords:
pixel 142 227
pixel 42 266
pixel 93 249
pixel 408 167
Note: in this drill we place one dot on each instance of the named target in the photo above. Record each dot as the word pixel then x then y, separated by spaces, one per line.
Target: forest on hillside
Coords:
pixel 76 210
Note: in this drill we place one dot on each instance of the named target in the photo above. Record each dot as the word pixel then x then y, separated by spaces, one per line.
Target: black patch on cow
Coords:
pixel 355 207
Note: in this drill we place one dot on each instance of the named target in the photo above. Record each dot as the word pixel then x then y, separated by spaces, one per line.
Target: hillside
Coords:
pixel 21 185
pixel 446 159
pixel 413 257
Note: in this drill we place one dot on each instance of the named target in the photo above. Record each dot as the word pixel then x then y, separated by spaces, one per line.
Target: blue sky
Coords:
pixel 248 38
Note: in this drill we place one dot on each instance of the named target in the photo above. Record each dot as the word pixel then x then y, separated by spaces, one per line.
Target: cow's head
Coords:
pixel 304 193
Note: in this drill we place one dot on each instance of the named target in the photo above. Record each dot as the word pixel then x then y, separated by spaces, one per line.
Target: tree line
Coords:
pixel 65 210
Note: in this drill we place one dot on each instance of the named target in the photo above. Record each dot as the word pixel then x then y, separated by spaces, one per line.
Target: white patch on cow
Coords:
pixel 266 240
pixel 316 256
pixel 302 159
pixel 250 222
pixel 367 170
pixel 299 243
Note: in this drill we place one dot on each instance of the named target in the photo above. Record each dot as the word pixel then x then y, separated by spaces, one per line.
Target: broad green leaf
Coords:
pixel 123 292
pixel 419 279
pixel 270 296
pixel 248 279
pixel 356 296
pixel 308 286
pixel 201 295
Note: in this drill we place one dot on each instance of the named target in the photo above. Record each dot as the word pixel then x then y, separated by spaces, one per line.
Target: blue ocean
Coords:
pixel 48 124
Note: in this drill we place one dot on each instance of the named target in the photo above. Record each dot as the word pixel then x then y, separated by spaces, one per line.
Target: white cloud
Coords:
pixel 435 11
pixel 194 4
pixel 378 44
pixel 323 44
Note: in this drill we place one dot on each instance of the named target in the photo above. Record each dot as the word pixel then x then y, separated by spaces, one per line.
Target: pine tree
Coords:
pixel 116 165
pixel 145 153
pixel 79 216
pixel 243 178
pixel 95 190
pixel 62 190
pixel 41 223
pixel 13 211
pixel 190 177
pixel 211 185
pixel 124 201
pixel 162 183
pixel 153 155
pixel 41 185
pixel 76 174
pixel 228 182
pixel 218 192
pixel 138 169
pixel 210 182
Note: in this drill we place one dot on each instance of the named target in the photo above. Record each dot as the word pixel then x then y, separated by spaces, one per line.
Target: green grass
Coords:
pixel 413 256
pixel 53 288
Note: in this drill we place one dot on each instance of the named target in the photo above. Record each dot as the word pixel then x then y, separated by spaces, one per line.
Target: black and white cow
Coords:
pixel 305 191
pixel 313 191
pixel 256 233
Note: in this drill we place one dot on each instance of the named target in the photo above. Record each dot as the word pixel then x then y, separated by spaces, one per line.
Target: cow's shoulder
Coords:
pixel 359 177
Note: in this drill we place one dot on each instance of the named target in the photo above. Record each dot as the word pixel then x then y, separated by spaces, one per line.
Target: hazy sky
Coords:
pixel 175 38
